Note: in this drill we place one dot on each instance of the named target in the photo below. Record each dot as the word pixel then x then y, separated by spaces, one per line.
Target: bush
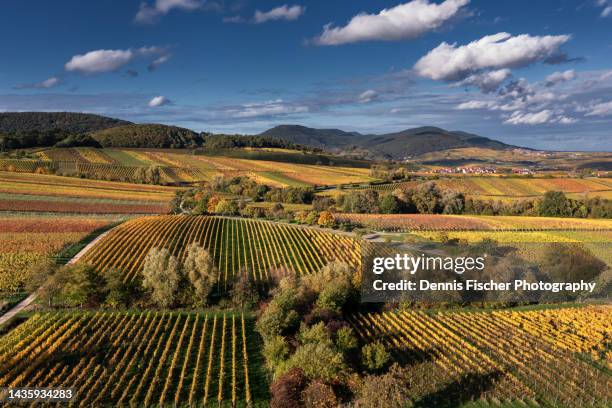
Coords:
pixel 345 339
pixel 316 334
pixel 318 361
pixel 275 352
pixel 335 295
pixel 387 390
pixel 374 356
pixel 319 395
pixel 286 390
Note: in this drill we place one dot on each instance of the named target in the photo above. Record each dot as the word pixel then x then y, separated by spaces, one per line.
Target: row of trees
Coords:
pixel 428 198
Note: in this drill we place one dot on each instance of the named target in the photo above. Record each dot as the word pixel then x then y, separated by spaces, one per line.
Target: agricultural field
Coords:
pixel 502 188
pixel 438 222
pixel 47 193
pixel 138 359
pixel 235 244
pixel 25 240
pixel 501 356
pixel 182 166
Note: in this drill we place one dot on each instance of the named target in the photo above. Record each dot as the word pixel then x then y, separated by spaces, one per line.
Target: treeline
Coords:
pixel 428 198
pixel 148 135
pixel 222 141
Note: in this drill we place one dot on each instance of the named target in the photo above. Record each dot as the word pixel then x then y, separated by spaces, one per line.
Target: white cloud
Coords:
pixel 487 81
pixel 283 12
pixel 368 96
pixel 149 14
pixel 449 62
pixel 405 21
pixel 46 84
pixel 476 105
pixel 558 77
pixel 599 109
pixel 607 7
pixel 157 62
pixel 267 108
pixel 158 101
pixel 98 61
pixel 538 118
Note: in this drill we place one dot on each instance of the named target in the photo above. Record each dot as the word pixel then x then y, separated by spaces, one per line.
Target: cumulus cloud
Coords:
pixel 158 101
pixel 368 96
pixel 487 81
pixel 149 14
pixel 449 62
pixel 283 12
pixel 46 84
pixel 558 77
pixel 98 61
pixel 405 21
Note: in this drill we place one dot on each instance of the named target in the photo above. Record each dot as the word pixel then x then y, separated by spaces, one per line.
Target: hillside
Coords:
pixel 398 145
pixel 152 136
pixel 13 122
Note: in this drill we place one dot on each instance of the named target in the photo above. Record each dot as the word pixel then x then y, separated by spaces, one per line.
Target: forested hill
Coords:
pixel 153 136
pixel 15 122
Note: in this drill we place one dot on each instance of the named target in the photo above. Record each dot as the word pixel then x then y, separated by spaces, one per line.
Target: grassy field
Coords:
pixel 138 359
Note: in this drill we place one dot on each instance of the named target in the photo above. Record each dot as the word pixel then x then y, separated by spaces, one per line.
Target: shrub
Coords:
pixel 275 352
pixel 319 395
pixel 286 390
pixel 345 339
pixel 316 334
pixel 387 390
pixel 374 356
pixel 318 361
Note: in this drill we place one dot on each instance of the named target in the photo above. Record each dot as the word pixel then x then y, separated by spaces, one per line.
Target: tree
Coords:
pixel 345 339
pixel 374 356
pixel 426 198
pixel 286 390
pixel 319 361
pixel 275 352
pixel 391 389
pixel 161 276
pixel 244 291
pixel 212 204
pixel 119 291
pixel 389 204
pixel 554 204
pixel 226 207
pixel 453 202
pixel 200 271
pixel 319 395
pixel 326 220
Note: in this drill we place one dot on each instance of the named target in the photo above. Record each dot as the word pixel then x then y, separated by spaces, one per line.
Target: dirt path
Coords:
pixel 32 297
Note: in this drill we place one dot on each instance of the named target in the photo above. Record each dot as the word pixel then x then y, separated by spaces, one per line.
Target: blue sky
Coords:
pixel 532 73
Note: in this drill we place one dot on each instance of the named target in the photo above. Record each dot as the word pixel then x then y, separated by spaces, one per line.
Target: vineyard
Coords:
pixel 235 244
pixel 436 222
pixel 138 359
pixel 26 240
pixel 47 193
pixel 500 356
pixel 501 188
pixel 180 166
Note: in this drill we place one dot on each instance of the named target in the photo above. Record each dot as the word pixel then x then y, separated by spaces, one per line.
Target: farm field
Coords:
pixel 25 240
pixel 235 244
pixel 438 222
pixel 514 188
pixel 138 359
pixel 47 193
pixel 184 167
pixel 499 356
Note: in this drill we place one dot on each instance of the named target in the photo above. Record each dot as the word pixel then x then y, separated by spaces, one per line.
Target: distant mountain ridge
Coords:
pixel 71 122
pixel 397 145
